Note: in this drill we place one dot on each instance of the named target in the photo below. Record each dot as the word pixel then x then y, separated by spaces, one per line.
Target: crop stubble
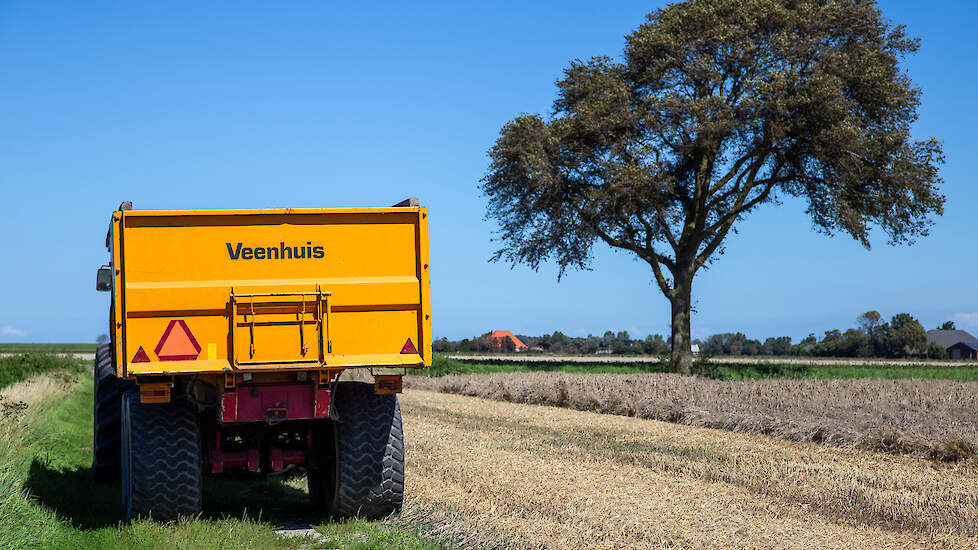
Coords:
pixel 935 418
pixel 558 478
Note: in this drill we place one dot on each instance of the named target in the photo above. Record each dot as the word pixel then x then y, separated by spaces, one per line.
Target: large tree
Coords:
pixel 906 337
pixel 716 108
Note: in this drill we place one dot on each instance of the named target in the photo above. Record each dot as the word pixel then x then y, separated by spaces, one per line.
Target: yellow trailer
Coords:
pixel 230 333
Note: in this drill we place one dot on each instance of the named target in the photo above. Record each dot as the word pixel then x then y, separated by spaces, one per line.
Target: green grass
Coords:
pixel 963 372
pixel 14 368
pixel 7 347
pixel 442 366
pixel 48 498
pixel 358 534
pixel 774 370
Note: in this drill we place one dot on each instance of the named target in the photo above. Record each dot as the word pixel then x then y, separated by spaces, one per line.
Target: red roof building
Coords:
pixel 500 336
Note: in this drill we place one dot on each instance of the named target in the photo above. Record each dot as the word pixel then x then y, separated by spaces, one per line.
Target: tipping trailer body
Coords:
pixel 269 290
pixel 230 330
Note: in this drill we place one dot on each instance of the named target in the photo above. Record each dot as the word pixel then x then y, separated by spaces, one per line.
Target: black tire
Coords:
pixel 106 415
pixel 319 472
pixel 363 473
pixel 161 467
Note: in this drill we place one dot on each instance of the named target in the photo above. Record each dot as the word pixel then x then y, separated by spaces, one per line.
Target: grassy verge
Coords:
pixel 48 498
pixel 13 347
pixel 442 366
pixel 15 368
pixel 922 372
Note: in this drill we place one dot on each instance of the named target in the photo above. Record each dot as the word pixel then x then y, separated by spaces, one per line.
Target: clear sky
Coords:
pixel 179 105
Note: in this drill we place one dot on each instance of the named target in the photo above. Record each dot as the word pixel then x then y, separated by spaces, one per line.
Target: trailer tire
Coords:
pixel 365 476
pixel 161 465
pixel 106 417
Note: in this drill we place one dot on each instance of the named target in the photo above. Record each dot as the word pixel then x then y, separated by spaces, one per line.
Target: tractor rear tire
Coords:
pixel 107 417
pixel 161 463
pixel 364 473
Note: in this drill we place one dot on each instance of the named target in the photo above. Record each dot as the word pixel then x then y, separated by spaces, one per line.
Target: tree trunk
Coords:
pixel 682 356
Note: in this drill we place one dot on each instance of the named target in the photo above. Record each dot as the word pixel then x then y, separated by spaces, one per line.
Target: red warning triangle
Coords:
pixel 140 356
pixel 177 343
pixel 409 347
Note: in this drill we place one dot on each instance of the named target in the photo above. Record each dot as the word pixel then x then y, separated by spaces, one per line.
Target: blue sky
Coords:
pixel 312 104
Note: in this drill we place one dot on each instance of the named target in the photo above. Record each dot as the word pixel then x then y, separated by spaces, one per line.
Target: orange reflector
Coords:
pixel 409 347
pixel 140 356
pixel 158 392
pixel 177 343
pixel 388 383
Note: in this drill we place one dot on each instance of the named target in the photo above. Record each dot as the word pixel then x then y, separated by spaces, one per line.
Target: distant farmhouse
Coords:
pixel 958 343
pixel 499 338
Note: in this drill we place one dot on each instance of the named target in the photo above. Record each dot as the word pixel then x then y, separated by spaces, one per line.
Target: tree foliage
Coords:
pixel 558 342
pixel 718 107
pixel 902 337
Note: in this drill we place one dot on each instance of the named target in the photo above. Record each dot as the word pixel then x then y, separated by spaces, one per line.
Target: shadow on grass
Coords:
pixel 77 499
pixel 74 495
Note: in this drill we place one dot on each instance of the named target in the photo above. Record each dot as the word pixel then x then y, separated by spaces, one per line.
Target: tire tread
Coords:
pixel 107 410
pixel 369 453
pixel 163 463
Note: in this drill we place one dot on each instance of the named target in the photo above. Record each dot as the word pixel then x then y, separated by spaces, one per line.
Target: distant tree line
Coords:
pixel 737 343
pixel 902 337
pixel 558 342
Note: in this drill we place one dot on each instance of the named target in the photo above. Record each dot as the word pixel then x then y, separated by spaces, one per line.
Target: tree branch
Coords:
pixel 651 256
pixel 722 227
pixel 734 170
pixel 666 230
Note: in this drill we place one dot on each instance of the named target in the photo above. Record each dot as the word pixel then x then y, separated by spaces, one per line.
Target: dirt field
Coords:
pixel 559 478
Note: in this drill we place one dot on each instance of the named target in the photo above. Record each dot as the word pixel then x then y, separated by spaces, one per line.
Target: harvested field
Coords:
pixel 933 418
pixel 556 478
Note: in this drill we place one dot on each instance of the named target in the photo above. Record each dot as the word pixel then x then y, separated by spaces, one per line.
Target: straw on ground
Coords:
pixel 558 478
